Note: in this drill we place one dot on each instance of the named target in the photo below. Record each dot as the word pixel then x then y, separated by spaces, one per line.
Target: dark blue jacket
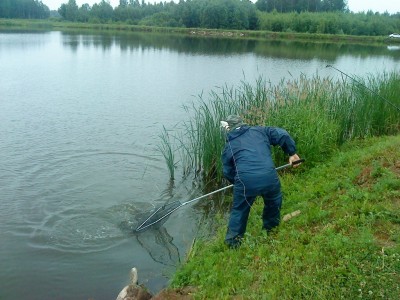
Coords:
pixel 247 156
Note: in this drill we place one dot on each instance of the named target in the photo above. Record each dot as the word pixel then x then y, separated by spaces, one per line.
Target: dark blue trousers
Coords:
pixel 242 202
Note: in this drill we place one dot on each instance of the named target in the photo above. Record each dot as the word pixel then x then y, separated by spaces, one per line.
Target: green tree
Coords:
pixel 333 5
pixel 25 9
pixel 262 5
pixel 69 11
pixel 227 14
pixel 84 13
pixel 123 3
pixel 190 13
pixel 102 11
pixel 301 5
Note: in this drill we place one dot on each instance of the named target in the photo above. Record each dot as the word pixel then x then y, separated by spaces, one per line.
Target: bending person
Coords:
pixel 248 164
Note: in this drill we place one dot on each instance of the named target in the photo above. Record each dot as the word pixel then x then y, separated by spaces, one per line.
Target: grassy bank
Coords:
pixel 54 24
pixel 345 244
pixel 320 113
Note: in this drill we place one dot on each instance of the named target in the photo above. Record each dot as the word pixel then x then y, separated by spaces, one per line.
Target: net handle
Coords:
pixel 142 227
pixel 229 186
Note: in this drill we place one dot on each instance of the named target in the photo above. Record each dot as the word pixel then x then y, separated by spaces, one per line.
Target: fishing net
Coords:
pixel 158 215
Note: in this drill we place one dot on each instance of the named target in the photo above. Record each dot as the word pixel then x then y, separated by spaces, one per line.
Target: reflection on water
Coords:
pixel 159 244
pixel 218 46
pixel 393 47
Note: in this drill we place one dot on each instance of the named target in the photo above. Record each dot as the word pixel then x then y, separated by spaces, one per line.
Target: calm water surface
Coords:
pixel 80 116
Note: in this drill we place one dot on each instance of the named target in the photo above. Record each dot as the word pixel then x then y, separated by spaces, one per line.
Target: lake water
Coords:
pixel 80 115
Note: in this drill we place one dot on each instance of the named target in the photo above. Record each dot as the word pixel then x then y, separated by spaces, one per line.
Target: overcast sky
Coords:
pixel 392 6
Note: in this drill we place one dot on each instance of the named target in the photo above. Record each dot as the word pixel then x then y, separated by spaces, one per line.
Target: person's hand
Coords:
pixel 294 158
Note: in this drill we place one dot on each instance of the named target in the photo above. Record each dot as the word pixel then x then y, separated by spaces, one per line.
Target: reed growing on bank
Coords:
pixel 320 114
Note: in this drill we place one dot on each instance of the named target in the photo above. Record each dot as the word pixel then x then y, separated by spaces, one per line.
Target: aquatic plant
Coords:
pixel 167 150
pixel 320 114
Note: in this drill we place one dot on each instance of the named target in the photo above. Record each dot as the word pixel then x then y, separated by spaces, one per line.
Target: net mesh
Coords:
pixel 158 215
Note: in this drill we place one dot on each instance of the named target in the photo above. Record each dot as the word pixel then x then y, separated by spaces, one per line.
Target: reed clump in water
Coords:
pixel 320 114
pixel 166 147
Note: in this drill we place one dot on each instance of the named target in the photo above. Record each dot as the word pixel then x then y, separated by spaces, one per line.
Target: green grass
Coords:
pixel 345 244
pixel 320 114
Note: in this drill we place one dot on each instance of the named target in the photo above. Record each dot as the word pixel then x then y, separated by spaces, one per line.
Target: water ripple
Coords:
pixel 74 231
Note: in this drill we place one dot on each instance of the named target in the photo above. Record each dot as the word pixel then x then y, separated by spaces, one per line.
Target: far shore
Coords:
pixel 55 24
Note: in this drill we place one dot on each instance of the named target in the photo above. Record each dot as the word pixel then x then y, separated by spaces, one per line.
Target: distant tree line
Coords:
pixel 23 9
pixel 301 5
pixel 228 14
pixel 232 14
pixel 370 24
pixel 311 16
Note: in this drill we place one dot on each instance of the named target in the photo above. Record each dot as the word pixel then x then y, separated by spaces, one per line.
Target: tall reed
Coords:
pixel 320 114
pixel 168 151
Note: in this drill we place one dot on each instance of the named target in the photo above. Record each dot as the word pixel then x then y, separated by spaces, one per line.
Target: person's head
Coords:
pixel 234 121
